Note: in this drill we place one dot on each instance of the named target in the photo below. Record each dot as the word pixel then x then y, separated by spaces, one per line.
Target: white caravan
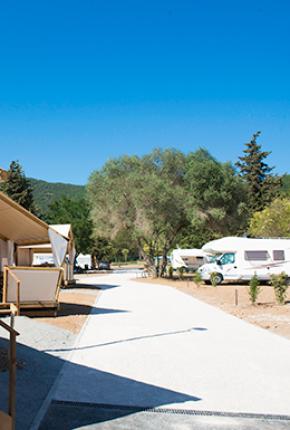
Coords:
pixel 190 259
pixel 84 261
pixel 239 258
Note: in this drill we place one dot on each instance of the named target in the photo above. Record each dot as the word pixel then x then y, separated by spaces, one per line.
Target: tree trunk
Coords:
pixel 164 263
pixel 149 263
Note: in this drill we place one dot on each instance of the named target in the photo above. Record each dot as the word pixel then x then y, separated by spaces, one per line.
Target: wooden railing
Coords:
pixel 7 272
pixel 7 420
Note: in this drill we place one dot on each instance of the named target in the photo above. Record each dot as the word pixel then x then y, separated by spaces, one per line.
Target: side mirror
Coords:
pixel 218 262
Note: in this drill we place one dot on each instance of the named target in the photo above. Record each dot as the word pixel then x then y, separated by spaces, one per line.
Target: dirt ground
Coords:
pixel 75 306
pixel 266 313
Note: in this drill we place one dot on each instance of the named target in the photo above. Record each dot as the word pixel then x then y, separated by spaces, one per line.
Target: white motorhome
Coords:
pixel 190 259
pixel 239 258
pixel 84 261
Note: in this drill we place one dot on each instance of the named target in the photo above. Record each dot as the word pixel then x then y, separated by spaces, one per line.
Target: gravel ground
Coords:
pixel 38 369
pixel 265 314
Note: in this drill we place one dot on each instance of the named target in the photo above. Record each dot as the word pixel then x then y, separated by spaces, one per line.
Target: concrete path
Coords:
pixel 158 348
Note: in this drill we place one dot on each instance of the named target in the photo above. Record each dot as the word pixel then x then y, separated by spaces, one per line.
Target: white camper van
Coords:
pixel 239 258
pixel 190 259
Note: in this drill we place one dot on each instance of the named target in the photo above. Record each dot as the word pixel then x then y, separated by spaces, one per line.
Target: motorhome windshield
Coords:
pixel 228 258
pixel 213 258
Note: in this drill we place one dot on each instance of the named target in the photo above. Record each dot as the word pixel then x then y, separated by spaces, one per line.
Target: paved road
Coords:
pixel 157 348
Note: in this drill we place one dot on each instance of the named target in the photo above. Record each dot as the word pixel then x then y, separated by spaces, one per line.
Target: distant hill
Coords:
pixel 47 192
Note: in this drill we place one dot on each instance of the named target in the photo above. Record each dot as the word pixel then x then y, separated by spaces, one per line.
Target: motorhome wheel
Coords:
pixel 218 278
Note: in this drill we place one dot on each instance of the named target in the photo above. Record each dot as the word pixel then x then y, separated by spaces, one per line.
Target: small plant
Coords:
pixel 170 272
pixel 279 283
pixel 214 279
pixel 254 289
pixel 181 273
pixel 197 278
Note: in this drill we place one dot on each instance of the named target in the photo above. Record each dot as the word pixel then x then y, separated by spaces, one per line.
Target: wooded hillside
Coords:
pixel 45 193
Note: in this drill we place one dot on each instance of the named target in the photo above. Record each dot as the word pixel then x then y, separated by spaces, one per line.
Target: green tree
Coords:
pixel 125 253
pixel 273 221
pixel 77 213
pixel 143 196
pixel 263 186
pixel 102 250
pixel 217 199
pixel 18 187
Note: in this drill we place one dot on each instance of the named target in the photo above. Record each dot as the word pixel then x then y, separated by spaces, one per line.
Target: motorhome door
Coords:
pixel 228 265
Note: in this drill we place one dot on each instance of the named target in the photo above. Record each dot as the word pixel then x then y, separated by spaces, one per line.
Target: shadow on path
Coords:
pixel 130 339
pixel 40 371
pixel 90 286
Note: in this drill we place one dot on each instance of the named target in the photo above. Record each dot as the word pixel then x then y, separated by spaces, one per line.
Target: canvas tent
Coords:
pixel 41 254
pixel 19 228
pixel 188 258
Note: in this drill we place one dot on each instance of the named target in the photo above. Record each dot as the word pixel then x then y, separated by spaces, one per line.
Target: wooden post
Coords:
pixel 236 297
pixel 9 419
pixel 5 280
pixel 18 297
pixel 12 379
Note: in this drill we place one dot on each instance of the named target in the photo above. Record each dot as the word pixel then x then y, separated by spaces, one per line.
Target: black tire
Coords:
pixel 218 278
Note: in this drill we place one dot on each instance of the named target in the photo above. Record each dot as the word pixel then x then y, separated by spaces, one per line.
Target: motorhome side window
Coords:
pixel 279 255
pixel 256 255
pixel 228 258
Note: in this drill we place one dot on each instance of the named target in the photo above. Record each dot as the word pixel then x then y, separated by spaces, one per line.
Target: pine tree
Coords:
pixel 263 186
pixel 18 187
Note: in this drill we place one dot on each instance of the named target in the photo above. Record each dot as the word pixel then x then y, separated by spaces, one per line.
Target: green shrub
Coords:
pixel 254 289
pixel 170 272
pixel 279 283
pixel 181 272
pixel 197 278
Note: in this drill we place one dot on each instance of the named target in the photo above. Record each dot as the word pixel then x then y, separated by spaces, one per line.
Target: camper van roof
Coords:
pixel 194 252
pixel 232 244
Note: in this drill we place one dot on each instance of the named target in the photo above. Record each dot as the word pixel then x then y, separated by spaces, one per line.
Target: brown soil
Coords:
pixel 266 313
pixel 74 309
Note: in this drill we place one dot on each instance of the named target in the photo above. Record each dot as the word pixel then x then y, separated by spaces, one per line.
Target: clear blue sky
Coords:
pixel 87 80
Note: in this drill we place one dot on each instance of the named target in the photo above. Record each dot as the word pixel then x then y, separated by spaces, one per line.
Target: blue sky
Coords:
pixel 85 81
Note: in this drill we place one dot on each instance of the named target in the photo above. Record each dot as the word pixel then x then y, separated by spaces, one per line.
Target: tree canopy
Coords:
pixel 77 213
pixel 217 197
pixel 273 221
pixel 164 197
pixel 143 196
pixel 18 187
pixel 263 186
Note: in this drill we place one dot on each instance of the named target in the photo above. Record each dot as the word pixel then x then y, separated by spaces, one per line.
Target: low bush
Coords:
pixel 197 278
pixel 214 279
pixel 181 272
pixel 170 272
pixel 254 289
pixel 280 285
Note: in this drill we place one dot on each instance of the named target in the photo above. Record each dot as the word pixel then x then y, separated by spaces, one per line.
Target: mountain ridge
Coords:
pixel 45 192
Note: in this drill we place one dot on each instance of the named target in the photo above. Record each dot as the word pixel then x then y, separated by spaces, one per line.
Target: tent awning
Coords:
pixel 19 225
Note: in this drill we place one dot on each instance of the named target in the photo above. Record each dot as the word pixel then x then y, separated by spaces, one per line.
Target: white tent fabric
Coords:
pixel 72 256
pixel 59 247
